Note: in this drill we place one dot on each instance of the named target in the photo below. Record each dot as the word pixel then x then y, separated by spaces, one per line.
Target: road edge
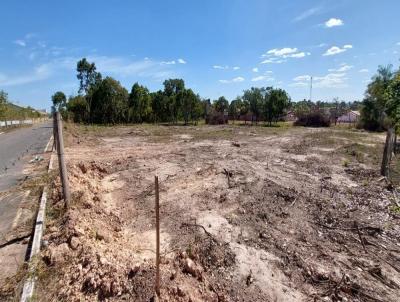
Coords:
pixel 29 284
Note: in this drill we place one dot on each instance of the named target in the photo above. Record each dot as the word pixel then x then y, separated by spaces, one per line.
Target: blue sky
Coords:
pixel 218 47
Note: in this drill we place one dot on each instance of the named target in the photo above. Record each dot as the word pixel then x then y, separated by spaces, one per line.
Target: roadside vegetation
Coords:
pixel 10 111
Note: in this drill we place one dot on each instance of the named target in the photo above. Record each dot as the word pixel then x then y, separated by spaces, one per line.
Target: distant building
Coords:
pixel 349 117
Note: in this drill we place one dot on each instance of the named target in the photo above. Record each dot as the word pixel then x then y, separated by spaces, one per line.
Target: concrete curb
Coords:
pixel 29 285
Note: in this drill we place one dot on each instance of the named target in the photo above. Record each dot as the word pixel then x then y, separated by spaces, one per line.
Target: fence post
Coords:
pixel 387 152
pixel 157 209
pixel 54 131
pixel 61 160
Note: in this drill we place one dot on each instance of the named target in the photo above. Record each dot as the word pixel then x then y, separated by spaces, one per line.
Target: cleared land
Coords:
pixel 247 214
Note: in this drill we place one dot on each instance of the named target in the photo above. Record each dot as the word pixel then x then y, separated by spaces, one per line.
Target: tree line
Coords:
pixel 105 101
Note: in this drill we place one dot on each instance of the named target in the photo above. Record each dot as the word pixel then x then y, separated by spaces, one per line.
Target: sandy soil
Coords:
pixel 247 214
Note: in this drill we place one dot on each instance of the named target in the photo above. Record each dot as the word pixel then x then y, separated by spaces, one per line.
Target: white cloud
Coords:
pixel 302 78
pixel 332 22
pixel 39 73
pixel 299 55
pixel 331 80
pixel 120 67
pixel 234 80
pixel 226 67
pixel 306 14
pixel 334 50
pixel 181 61
pixel 273 61
pixel 278 56
pixel 169 62
pixel 280 52
pixel 322 45
pixel 299 84
pixel 364 70
pixel 262 78
pixel 125 67
pixel 42 44
pixel 238 79
pixel 398 43
pixel 343 67
pixel 220 67
pixel 255 69
pixel 21 43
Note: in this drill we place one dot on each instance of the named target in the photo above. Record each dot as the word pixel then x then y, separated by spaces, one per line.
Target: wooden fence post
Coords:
pixel 387 152
pixel 157 209
pixel 54 131
pixel 61 160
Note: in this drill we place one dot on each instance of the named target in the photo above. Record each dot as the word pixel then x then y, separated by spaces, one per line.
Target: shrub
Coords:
pixel 313 119
pixel 216 118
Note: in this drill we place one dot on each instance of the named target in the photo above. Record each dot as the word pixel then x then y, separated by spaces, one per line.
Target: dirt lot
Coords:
pixel 247 214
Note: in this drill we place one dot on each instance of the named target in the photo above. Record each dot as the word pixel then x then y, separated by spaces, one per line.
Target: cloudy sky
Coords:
pixel 218 47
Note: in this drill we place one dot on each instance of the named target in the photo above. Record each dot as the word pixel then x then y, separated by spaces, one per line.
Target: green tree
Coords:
pixel 393 97
pixel 87 75
pixel 174 90
pixel 59 101
pixel 235 108
pixel 276 101
pixel 159 106
pixel 109 102
pixel 221 104
pixel 189 105
pixel 139 104
pixel 375 104
pixel 77 107
pixel 255 97
pixel 89 80
pixel 3 104
pixel 197 110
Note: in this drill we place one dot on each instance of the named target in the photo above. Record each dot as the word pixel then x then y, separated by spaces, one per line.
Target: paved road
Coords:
pixel 19 143
pixel 17 148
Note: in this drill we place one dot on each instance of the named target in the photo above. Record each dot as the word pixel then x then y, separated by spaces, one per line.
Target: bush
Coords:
pixel 216 118
pixel 313 119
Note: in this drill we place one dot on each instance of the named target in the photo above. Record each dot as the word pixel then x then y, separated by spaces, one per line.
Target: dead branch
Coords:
pixel 185 224
pixel 359 235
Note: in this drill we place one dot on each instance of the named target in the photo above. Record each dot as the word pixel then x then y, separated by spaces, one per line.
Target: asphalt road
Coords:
pixel 18 145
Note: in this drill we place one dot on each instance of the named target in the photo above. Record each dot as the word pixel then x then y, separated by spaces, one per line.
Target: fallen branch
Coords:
pixel 372 228
pixel 359 235
pixel 185 224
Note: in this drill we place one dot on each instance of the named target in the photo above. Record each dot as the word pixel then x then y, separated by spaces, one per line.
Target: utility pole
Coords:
pixel 311 89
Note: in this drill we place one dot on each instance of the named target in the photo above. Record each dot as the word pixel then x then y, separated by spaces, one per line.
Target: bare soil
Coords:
pixel 247 214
